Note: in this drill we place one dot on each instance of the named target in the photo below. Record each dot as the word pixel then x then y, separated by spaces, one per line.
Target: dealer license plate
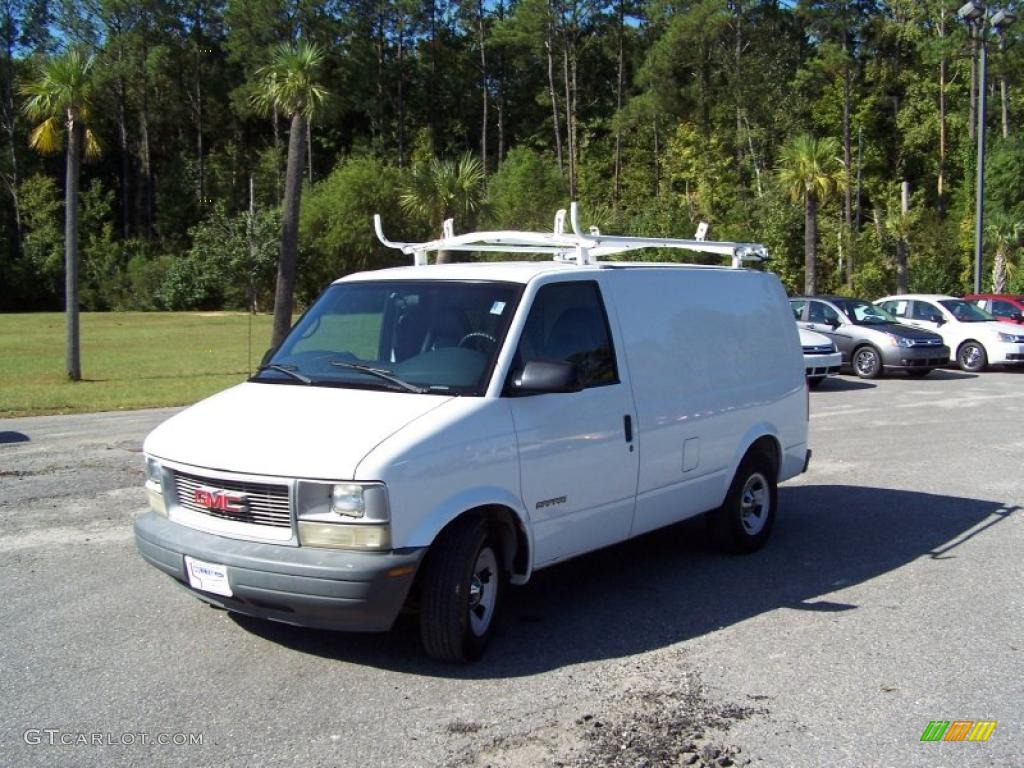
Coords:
pixel 208 577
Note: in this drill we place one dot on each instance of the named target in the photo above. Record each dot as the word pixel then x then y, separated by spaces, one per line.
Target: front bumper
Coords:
pixel 305 586
pixel 921 358
pixel 820 366
pixel 1006 353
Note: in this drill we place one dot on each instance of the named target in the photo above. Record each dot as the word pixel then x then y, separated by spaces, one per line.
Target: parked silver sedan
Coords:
pixel 871 340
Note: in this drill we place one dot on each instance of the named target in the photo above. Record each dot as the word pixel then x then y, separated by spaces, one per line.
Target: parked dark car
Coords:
pixel 870 339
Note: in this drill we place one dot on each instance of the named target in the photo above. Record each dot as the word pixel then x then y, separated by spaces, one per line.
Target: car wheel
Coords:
pixel 867 363
pixel 461 588
pixel 971 357
pixel 918 373
pixel 744 522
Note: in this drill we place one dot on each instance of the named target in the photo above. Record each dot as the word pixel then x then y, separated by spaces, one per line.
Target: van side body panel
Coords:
pixel 715 364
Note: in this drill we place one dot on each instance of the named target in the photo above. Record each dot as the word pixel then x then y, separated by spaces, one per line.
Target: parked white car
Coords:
pixel 427 434
pixel 821 357
pixel 973 336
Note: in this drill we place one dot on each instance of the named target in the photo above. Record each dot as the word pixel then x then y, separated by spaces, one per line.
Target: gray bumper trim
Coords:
pixel 306 586
pixel 904 358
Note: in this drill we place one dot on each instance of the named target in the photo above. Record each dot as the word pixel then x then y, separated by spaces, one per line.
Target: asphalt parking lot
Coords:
pixel 889 597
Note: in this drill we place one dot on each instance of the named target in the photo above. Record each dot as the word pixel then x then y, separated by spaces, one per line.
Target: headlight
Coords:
pixel 1011 337
pixel 154 472
pixel 348 500
pixel 902 341
pixel 154 485
pixel 344 515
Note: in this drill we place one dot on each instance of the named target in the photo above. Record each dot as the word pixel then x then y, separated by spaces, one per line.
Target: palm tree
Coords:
pixel 442 189
pixel 59 95
pixel 288 85
pixel 1004 231
pixel 809 169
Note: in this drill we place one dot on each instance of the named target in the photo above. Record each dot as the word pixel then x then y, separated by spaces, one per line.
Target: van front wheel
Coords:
pixel 460 591
pixel 744 522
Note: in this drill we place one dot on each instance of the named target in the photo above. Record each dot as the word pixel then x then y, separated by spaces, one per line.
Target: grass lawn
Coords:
pixel 129 359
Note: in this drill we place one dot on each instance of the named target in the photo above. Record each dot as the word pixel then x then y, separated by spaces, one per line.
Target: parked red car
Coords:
pixel 1004 307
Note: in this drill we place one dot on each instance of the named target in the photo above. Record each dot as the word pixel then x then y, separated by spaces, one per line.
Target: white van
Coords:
pixel 427 434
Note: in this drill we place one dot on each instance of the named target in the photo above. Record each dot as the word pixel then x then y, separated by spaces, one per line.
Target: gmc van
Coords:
pixel 426 435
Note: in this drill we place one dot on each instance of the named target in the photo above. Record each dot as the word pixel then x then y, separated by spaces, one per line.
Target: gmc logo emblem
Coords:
pixel 216 500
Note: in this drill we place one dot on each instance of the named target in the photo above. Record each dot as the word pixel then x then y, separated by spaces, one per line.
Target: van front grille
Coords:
pixel 244 502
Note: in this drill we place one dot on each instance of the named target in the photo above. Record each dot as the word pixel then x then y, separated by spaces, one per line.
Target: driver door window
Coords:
pixel 1004 309
pixel 823 314
pixel 922 310
pixel 568 323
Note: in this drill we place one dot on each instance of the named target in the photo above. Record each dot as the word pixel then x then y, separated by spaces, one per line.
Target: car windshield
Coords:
pixel 965 312
pixel 424 336
pixel 864 313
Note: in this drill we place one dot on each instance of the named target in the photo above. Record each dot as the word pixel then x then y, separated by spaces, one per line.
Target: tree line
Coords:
pixel 839 133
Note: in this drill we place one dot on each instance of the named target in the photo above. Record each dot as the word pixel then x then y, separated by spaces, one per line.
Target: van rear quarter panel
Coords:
pixel 715 363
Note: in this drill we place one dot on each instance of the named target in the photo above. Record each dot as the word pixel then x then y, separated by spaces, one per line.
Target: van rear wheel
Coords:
pixel 461 588
pixel 744 522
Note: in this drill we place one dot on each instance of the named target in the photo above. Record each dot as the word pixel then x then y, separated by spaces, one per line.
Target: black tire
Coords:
pixel 460 591
pixel 866 362
pixel 815 382
pixel 971 357
pixel 731 524
pixel 918 373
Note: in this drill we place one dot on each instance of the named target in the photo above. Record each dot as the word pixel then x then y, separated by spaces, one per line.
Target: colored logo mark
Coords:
pixel 958 730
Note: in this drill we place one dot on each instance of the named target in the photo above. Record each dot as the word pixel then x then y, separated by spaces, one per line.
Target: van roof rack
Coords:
pixel 579 247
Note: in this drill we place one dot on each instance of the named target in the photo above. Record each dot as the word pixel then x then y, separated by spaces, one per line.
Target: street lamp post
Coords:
pixel 980 22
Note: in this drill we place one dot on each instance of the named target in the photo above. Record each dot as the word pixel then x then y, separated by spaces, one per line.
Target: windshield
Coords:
pixel 966 313
pixel 863 313
pixel 425 336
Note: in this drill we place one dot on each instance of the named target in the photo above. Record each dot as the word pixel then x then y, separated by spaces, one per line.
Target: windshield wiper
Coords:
pixel 290 370
pixel 381 373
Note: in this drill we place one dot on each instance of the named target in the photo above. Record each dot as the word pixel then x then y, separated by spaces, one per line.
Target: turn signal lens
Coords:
pixel 343 536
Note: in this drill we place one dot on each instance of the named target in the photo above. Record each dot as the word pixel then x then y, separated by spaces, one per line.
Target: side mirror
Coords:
pixel 939 320
pixel 833 323
pixel 546 376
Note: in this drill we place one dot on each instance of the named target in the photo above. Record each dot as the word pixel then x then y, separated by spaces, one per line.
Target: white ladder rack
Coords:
pixel 579 247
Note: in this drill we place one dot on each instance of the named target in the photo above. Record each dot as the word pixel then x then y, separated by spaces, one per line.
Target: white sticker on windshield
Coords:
pixel 497 307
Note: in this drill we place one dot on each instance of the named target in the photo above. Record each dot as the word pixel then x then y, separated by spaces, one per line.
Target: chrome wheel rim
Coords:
pixel 755 504
pixel 483 591
pixel 970 356
pixel 867 362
